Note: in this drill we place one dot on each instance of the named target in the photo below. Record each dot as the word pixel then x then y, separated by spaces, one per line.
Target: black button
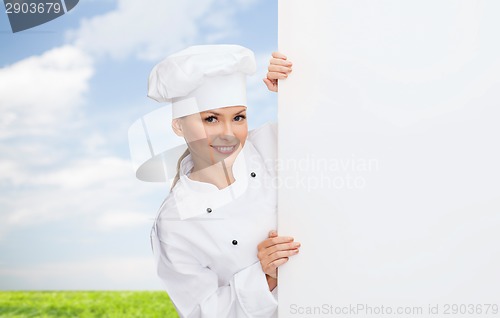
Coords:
pixel 209 210
pixel 253 174
pixel 235 242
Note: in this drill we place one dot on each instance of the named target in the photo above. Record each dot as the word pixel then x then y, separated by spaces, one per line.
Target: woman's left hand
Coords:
pixel 275 251
pixel 279 68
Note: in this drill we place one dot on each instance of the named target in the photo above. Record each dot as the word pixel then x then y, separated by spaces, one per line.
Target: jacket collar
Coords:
pixel 195 198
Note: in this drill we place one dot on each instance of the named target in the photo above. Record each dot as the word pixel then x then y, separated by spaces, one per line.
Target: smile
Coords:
pixel 225 149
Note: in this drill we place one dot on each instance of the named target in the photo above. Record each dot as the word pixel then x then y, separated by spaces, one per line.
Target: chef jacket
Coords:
pixel 205 239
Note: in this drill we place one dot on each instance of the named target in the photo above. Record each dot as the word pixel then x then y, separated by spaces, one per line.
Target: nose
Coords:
pixel 227 131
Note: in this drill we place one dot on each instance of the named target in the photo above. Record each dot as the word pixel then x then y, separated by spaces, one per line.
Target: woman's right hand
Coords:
pixel 275 251
pixel 279 68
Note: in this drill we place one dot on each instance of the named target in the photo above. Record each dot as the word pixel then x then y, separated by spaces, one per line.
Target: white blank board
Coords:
pixel 389 157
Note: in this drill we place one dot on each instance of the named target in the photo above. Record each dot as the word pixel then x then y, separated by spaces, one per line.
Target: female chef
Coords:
pixel 214 250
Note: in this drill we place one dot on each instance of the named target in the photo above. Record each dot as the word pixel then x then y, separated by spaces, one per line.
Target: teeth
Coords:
pixel 225 149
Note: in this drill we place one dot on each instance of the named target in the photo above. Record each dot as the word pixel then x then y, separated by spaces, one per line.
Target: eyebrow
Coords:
pixel 218 114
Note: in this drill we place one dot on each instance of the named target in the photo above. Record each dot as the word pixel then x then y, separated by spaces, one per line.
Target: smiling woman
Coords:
pixel 213 136
pixel 214 237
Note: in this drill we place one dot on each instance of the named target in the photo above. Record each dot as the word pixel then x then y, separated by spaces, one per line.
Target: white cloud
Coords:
pixel 11 172
pixel 86 173
pixel 87 187
pixel 122 219
pixel 41 92
pixel 148 29
pixel 152 29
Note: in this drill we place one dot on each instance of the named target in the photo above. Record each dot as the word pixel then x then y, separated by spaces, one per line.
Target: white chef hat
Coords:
pixel 202 77
pixel 196 79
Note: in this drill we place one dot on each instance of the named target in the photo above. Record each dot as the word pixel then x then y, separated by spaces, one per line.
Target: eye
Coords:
pixel 211 119
pixel 240 118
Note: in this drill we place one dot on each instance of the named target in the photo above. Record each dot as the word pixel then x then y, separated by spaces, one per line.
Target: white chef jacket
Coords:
pixel 205 239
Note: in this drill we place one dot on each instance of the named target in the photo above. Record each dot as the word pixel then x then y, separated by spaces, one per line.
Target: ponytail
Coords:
pixel 177 176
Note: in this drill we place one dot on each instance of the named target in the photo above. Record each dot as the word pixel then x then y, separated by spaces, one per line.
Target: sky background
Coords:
pixel 72 214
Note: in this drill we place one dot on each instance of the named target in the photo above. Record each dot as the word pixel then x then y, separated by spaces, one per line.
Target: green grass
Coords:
pixel 86 304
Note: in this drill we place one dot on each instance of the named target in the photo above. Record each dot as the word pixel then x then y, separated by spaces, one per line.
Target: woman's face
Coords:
pixel 214 135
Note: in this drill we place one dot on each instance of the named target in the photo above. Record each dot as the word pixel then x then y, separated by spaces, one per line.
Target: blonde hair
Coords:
pixel 177 176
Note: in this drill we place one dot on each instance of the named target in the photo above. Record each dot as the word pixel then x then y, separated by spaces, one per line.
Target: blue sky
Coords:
pixel 72 214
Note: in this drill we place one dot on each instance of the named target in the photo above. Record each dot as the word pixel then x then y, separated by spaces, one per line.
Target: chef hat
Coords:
pixel 202 77
pixel 196 79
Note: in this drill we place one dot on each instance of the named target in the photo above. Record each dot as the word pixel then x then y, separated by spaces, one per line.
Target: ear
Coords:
pixel 177 127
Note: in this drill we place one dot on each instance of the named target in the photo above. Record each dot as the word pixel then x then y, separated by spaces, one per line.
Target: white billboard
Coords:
pixel 389 158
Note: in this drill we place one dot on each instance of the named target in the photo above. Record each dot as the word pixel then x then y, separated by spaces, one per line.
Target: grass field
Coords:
pixel 86 304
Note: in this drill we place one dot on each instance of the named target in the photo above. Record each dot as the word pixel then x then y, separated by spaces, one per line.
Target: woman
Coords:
pixel 214 240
